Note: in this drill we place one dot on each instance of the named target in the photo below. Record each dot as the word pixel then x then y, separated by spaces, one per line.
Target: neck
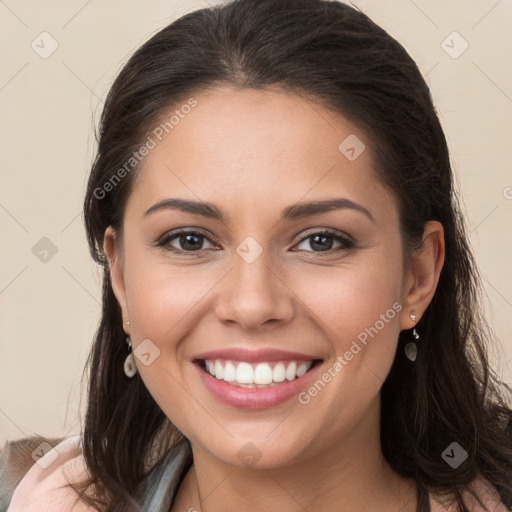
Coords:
pixel 350 475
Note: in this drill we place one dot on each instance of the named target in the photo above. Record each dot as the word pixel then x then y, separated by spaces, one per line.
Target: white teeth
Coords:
pixel 244 373
pixel 291 371
pixel 301 370
pixel 219 370
pixel 259 375
pixel 263 374
pixel 229 372
pixel 279 373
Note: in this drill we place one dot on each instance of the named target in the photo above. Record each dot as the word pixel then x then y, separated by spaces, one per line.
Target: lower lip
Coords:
pixel 255 398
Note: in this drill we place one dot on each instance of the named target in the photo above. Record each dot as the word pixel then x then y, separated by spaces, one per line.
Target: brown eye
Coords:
pixel 187 241
pixel 322 241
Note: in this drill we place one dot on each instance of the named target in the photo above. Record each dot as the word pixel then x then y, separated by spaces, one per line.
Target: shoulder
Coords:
pixel 35 474
pixel 483 489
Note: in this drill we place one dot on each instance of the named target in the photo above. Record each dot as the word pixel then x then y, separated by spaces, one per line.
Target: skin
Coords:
pixel 253 153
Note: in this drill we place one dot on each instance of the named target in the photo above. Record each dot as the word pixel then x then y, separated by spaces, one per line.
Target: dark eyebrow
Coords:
pixel 186 205
pixel 314 207
pixel 295 211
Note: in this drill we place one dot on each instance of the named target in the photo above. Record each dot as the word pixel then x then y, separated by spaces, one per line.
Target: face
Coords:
pixel 257 293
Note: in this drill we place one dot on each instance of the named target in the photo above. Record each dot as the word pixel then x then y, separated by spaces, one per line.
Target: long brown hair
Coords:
pixel 335 55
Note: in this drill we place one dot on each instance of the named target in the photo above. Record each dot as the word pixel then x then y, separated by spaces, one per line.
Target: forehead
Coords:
pixel 257 148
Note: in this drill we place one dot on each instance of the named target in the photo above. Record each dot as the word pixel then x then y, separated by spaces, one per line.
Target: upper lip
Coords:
pixel 260 355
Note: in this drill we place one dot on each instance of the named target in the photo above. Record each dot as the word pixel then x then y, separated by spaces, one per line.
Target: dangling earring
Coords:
pixel 410 349
pixel 130 368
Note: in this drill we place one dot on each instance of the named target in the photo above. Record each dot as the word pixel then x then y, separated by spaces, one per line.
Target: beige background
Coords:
pixel 49 311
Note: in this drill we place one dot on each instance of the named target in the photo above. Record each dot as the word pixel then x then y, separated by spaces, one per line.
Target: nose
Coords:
pixel 255 295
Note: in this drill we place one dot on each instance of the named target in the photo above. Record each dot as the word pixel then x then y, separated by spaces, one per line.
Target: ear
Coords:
pixel 112 250
pixel 423 273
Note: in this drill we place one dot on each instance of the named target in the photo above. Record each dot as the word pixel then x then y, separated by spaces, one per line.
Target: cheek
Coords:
pixel 358 309
pixel 349 299
pixel 159 299
pixel 161 304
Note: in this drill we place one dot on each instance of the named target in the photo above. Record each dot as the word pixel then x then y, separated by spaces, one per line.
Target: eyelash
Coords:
pixel 345 241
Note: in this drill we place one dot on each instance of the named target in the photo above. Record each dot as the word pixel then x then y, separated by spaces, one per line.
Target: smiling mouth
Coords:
pixel 256 375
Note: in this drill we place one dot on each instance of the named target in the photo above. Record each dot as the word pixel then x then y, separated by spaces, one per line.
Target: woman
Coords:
pixel 273 207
